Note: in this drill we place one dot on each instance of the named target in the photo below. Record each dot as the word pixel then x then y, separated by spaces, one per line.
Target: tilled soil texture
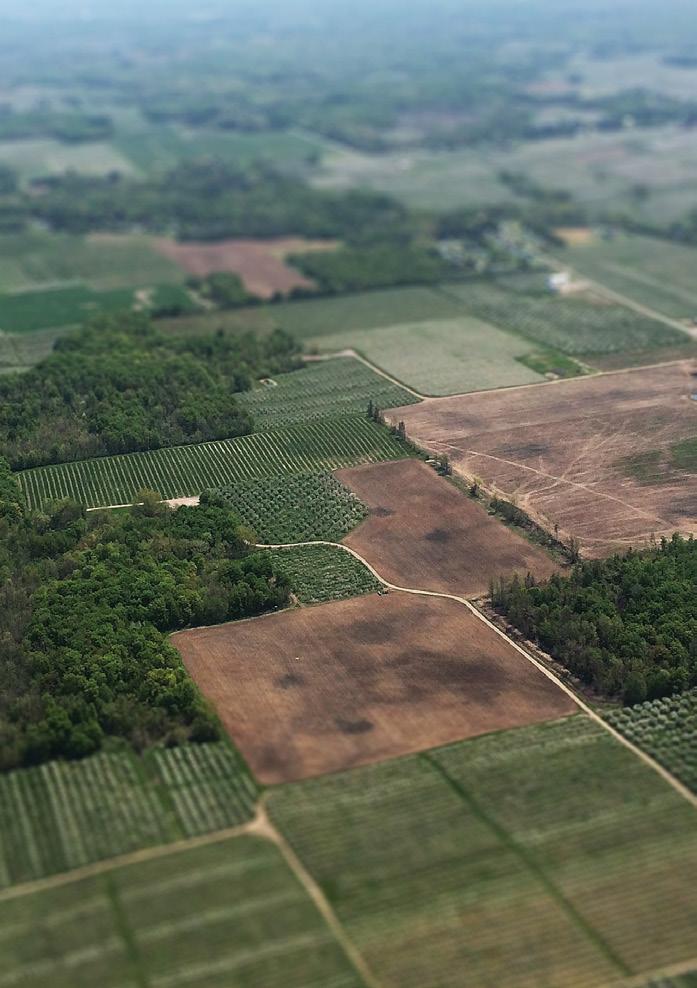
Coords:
pixel 422 532
pixel 603 458
pixel 260 263
pixel 326 688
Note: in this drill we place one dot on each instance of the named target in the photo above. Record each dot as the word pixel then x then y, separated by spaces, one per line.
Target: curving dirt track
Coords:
pixel 423 532
pixel 562 453
pixel 320 689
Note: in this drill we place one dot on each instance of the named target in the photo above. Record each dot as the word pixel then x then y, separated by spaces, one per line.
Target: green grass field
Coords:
pixel 655 273
pixel 67 814
pixel 298 508
pixel 35 260
pixel 44 156
pixel 152 148
pixel 182 471
pixel 442 357
pixel 19 351
pixel 431 180
pixel 573 324
pixel 667 730
pixel 551 856
pixel 313 318
pixel 321 390
pixel 227 914
pixel 26 312
pixel 320 573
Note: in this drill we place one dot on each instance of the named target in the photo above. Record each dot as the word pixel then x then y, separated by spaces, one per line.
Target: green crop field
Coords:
pixel 299 508
pixel 314 318
pixel 67 814
pixel 655 273
pixel 25 312
pixel 321 390
pixel 230 913
pixel 32 260
pixel 551 856
pixel 310 319
pixel 182 471
pixel 319 573
pixel 444 356
pixel 667 730
pixel 152 148
pixel 574 325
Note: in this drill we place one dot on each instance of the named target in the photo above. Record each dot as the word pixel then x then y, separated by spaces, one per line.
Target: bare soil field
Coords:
pixel 564 451
pixel 260 264
pixel 422 532
pixel 322 689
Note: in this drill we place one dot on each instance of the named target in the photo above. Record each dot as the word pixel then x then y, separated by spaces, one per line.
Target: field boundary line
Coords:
pixel 264 827
pixel 106 865
pixel 625 300
pixel 506 838
pixel 354 355
pixel 678 786
pixel 641 980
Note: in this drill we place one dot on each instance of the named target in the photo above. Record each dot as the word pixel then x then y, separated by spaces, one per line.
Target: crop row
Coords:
pixel 561 876
pixel 187 470
pixel 296 509
pixel 227 913
pixel 573 325
pixel 667 730
pixel 324 389
pixel 66 814
pixel 321 573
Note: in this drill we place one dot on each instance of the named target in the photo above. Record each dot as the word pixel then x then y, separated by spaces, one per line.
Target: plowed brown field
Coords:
pixel 260 263
pixel 321 689
pixel 422 532
pixel 564 451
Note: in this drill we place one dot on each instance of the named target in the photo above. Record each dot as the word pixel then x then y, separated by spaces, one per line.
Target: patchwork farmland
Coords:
pixel 528 843
pixel 64 815
pixel 564 452
pixel 655 273
pixel 321 390
pixel 578 325
pixel 320 689
pixel 440 357
pixel 422 532
pixel 183 471
pixel 228 913
pixel 315 318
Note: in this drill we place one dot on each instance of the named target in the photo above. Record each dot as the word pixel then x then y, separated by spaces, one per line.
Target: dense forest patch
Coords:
pixel 627 625
pixel 118 386
pixel 86 602
pixel 209 199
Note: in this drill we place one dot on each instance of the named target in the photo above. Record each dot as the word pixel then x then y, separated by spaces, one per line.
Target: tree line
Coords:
pixel 626 626
pixel 209 199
